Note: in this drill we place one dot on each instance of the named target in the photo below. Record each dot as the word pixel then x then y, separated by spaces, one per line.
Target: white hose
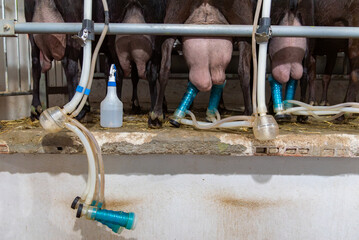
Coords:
pixel 254 57
pixel 218 115
pixel 262 108
pixel 93 63
pixel 86 66
pixel 317 111
pixel 319 108
pixel 99 158
pixel 85 72
pixel 230 122
pixel 262 63
pixel 88 9
pixel 87 188
pixel 223 125
pixel 91 162
pixel 301 111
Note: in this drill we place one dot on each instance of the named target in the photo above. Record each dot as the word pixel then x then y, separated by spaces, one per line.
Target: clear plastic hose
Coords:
pixel 315 111
pixel 91 161
pixel 218 115
pixel 247 122
pixel 319 108
pixel 97 149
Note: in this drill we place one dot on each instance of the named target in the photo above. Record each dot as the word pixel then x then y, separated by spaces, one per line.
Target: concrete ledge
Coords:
pixel 314 139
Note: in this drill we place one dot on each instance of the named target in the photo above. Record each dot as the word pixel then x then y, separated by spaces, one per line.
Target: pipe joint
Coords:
pixel 290 92
pixel 87 32
pixel 116 220
pixel 276 89
pixel 186 102
pixel 216 94
pixel 53 119
pixel 264 30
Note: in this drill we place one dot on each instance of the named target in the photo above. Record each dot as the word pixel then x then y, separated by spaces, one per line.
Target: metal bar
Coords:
pixel 315 32
pixel 56 90
pixel 18 49
pixel 15 93
pixel 5 50
pixel 191 30
pixel 29 60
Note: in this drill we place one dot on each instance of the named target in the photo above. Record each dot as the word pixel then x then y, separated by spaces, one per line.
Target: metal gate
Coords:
pixel 15 61
pixel 15 71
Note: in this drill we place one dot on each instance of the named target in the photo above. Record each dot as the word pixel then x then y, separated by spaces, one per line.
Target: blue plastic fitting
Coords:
pixel 112 218
pixel 276 88
pixel 186 102
pixel 290 92
pixel 99 204
pixel 216 93
pixel 115 228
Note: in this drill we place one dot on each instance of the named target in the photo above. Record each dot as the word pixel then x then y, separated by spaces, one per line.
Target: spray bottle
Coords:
pixel 111 107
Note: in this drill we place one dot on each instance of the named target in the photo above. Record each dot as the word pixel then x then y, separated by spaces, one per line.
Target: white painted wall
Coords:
pixel 184 197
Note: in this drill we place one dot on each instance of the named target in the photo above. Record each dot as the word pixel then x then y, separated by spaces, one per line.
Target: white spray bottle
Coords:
pixel 111 107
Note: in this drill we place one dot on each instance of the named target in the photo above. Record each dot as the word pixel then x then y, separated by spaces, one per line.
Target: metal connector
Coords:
pixel 87 32
pixel 7 28
pixel 264 30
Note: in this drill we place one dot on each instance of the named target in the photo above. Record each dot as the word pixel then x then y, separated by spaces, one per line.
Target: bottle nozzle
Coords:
pixel 113 71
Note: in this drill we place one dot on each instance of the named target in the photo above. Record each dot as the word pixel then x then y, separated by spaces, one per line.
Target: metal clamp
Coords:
pixel 264 30
pixel 87 32
pixel 7 28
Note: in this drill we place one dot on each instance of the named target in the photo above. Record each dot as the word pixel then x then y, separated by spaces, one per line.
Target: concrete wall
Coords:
pixel 184 197
pixel 15 107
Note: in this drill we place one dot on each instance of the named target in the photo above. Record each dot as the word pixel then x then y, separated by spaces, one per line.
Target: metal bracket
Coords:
pixel 264 30
pixel 87 32
pixel 7 28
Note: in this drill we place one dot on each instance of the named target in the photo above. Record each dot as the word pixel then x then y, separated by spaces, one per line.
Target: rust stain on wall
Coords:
pixel 121 204
pixel 239 217
pixel 252 204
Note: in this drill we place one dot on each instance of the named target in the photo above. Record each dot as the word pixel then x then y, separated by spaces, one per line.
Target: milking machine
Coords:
pixel 278 104
pixel 264 126
pixel 92 202
pixel 284 109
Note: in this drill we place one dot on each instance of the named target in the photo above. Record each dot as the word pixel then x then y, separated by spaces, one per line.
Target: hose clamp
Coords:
pixel 264 30
pixel 87 32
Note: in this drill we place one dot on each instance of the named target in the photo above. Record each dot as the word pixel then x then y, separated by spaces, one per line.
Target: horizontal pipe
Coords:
pixel 191 30
pixel 15 93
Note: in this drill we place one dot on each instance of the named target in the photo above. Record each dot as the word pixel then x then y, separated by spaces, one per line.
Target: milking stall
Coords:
pixel 179 119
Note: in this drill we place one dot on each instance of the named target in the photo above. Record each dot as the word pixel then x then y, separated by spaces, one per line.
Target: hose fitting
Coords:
pixel 112 219
pixel 290 92
pixel 216 93
pixel 115 228
pixel 53 119
pixel 276 89
pixel 278 105
pixel 186 102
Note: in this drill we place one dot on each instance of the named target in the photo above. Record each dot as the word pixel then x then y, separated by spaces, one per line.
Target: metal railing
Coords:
pixel 19 68
pixel 15 71
pixel 191 30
